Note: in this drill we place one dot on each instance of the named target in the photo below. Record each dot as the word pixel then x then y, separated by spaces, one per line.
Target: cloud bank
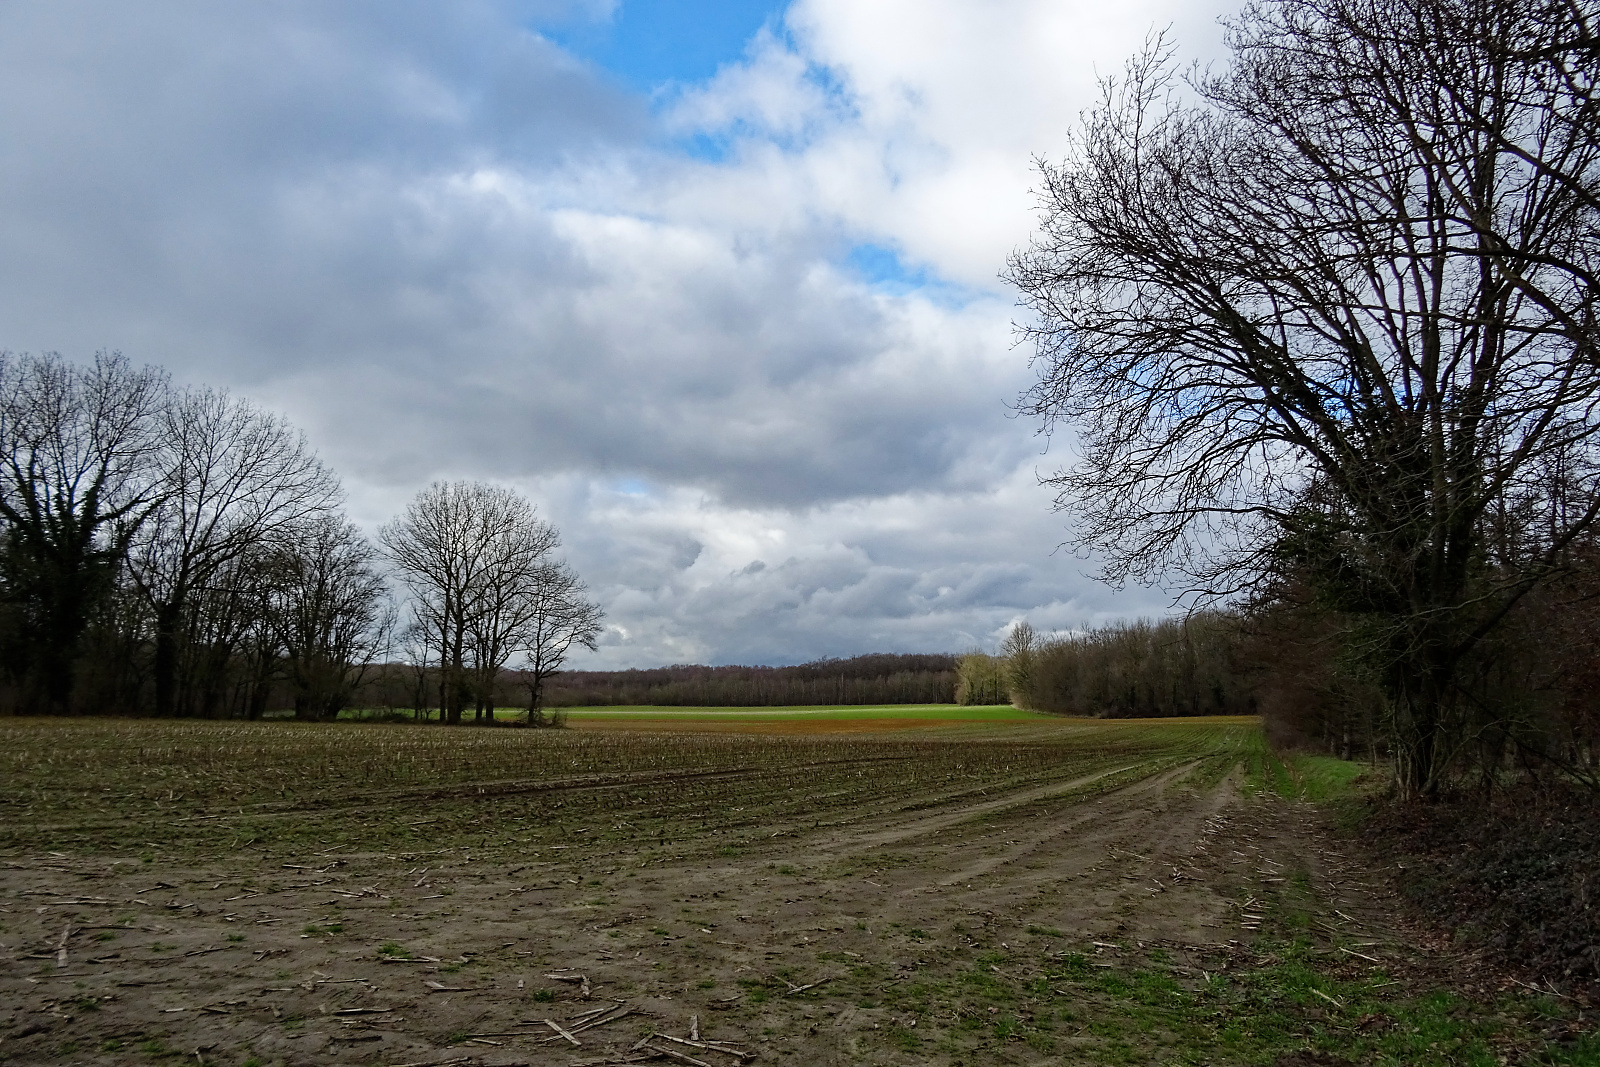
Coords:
pixel 741 337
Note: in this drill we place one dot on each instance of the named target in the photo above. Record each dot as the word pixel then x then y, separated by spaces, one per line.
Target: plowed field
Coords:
pixel 958 893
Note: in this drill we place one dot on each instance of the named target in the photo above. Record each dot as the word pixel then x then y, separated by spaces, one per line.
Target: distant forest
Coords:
pixel 1200 665
pixel 872 679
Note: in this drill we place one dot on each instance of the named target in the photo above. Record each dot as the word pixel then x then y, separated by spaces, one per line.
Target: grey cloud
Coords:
pixel 677 394
pixel 226 186
pixel 836 586
pixel 439 244
pixel 280 197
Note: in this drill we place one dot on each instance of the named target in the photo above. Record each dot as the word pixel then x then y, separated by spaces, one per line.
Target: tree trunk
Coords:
pixel 258 700
pixel 1419 706
pixel 455 697
pixel 55 658
pixel 214 683
pixel 168 616
pixel 454 682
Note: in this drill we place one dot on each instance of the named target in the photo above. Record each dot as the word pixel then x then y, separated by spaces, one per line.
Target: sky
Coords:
pixel 716 284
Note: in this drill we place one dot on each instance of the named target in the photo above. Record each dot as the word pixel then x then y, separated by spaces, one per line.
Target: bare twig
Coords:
pixel 558 1028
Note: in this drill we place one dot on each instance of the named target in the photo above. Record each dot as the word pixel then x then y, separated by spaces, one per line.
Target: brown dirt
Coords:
pixel 301 960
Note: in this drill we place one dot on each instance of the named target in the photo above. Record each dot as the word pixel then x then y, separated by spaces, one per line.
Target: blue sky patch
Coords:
pixel 632 487
pixel 650 43
pixel 707 148
pixel 883 267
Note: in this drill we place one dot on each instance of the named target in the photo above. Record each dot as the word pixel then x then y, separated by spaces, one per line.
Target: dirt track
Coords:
pixel 891 913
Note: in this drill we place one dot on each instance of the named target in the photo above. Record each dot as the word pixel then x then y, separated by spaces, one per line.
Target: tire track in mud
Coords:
pixel 1084 815
pixel 919 879
pixel 943 820
pixel 1016 854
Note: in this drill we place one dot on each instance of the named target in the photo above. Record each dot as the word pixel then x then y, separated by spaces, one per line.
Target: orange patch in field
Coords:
pixel 770 726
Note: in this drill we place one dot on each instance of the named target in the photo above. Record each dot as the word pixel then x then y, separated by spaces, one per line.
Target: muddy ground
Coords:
pixel 972 921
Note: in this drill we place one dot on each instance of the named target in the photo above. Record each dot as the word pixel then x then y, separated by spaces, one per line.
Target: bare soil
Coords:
pixel 904 920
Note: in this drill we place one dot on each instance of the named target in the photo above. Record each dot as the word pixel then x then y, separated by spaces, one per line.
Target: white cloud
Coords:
pixel 938 110
pixel 771 94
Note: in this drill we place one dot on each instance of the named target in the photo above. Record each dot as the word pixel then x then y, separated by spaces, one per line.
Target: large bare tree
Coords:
pixel 1330 308
pixel 508 600
pixel 234 479
pixel 468 552
pixel 78 449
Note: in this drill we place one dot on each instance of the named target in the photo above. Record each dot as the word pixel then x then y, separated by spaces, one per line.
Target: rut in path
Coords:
pixel 906 885
pixel 1094 865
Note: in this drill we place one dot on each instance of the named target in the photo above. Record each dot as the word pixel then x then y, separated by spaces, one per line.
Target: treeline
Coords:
pixel 1189 666
pixel 180 552
pixel 171 551
pixel 870 679
pixel 1525 702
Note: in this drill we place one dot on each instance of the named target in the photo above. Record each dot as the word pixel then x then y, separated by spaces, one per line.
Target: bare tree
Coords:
pixel 416 645
pixel 508 603
pixel 329 612
pixel 1019 650
pixel 228 644
pixel 256 660
pixel 234 479
pixel 1324 310
pixel 558 616
pixel 466 551
pixel 76 482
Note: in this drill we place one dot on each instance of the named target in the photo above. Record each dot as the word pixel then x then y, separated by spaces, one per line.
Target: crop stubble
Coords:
pixel 365 894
